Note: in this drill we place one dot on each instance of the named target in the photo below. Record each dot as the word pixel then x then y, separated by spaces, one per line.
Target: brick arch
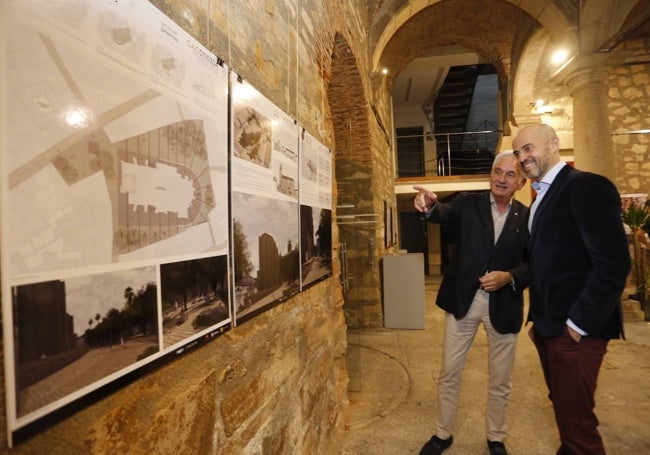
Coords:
pixel 557 16
pixel 348 104
pixel 489 29
pixel 356 180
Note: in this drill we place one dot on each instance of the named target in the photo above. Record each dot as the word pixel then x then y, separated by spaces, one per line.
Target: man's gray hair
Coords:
pixel 501 155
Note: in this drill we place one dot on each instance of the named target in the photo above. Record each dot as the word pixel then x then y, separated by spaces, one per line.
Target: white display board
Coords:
pixel 264 201
pixel 315 210
pixel 115 231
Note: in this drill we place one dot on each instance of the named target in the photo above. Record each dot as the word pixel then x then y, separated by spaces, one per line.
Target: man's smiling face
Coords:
pixel 506 178
pixel 537 150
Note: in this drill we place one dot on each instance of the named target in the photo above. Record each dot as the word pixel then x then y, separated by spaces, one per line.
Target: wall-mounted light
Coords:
pixel 539 107
pixel 379 73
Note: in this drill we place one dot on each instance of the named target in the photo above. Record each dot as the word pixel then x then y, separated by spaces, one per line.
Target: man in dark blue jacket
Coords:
pixel 580 261
pixel 485 285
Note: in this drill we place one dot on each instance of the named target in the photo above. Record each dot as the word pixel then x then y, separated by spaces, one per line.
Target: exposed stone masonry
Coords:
pixel 629 110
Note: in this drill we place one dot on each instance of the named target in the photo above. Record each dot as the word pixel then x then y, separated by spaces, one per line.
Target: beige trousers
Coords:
pixel 459 335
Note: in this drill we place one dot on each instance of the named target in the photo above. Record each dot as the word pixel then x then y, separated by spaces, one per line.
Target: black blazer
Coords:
pixel 476 254
pixel 579 256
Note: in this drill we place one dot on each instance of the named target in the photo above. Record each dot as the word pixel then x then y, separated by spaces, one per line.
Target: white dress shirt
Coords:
pixel 540 187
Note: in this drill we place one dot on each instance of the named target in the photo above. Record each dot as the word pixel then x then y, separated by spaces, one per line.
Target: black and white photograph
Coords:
pixel 265 252
pixel 194 297
pixel 73 333
pixel 315 244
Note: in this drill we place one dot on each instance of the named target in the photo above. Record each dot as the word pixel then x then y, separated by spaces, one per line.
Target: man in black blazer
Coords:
pixel 485 285
pixel 580 261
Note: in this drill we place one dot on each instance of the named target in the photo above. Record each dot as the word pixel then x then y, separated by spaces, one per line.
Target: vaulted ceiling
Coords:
pixel 403 32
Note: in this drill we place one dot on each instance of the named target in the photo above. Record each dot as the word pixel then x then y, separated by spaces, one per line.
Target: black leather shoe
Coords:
pixel 435 445
pixel 497 448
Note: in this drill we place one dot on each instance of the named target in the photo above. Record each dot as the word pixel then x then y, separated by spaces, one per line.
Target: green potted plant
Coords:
pixel 635 215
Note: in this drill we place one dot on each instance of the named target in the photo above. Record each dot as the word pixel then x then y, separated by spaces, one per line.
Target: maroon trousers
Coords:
pixel 571 372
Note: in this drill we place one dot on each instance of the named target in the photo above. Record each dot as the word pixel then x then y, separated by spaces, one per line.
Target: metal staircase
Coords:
pixel 464 153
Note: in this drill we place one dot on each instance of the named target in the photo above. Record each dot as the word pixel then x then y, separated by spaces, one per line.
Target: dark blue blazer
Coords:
pixel 476 253
pixel 579 256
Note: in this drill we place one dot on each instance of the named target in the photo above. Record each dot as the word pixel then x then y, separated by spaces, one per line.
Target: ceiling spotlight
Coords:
pixel 384 71
pixel 560 56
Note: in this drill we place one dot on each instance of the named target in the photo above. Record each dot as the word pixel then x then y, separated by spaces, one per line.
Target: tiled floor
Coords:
pixel 392 393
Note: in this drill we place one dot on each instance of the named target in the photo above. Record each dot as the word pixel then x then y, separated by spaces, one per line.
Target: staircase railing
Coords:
pixel 469 152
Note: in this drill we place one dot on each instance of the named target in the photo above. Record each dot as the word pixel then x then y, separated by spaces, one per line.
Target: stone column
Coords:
pixel 592 138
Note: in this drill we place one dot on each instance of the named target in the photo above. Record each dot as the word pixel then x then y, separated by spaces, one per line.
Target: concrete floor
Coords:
pixel 392 393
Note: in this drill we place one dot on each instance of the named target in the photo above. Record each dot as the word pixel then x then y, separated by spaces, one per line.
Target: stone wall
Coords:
pixel 629 110
pixel 277 383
